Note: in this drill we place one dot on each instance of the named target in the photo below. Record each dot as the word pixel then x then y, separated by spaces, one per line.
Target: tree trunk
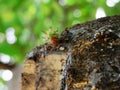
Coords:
pixel 87 57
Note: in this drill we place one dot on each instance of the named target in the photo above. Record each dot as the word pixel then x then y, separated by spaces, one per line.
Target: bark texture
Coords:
pixel 87 57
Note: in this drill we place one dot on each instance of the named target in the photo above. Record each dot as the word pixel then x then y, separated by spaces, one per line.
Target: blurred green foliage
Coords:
pixel 33 18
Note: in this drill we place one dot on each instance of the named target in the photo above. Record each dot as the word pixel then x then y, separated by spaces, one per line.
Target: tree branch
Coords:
pixel 6 66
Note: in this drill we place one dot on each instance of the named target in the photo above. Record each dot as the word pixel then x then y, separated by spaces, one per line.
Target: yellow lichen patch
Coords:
pixel 81 84
pixel 94 88
pixel 84 47
pixel 69 80
pixel 29 67
pixel 87 43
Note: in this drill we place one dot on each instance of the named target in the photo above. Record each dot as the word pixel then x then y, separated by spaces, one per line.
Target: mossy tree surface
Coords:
pixel 87 57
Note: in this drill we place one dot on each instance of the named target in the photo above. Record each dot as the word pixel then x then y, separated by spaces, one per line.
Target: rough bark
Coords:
pixel 87 57
pixel 6 66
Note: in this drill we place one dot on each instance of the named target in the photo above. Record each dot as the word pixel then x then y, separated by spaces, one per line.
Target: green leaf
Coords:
pixel 2 81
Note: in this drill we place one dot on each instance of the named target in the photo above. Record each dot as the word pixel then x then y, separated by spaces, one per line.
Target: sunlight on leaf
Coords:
pixel 112 3
pixel 10 35
pixel 7 75
pixel 2 37
pixel 70 2
pixel 24 36
pixel 62 2
pixel 31 10
pixel 5 58
pixel 77 13
pixel 46 1
pixel 100 13
pixel 7 15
